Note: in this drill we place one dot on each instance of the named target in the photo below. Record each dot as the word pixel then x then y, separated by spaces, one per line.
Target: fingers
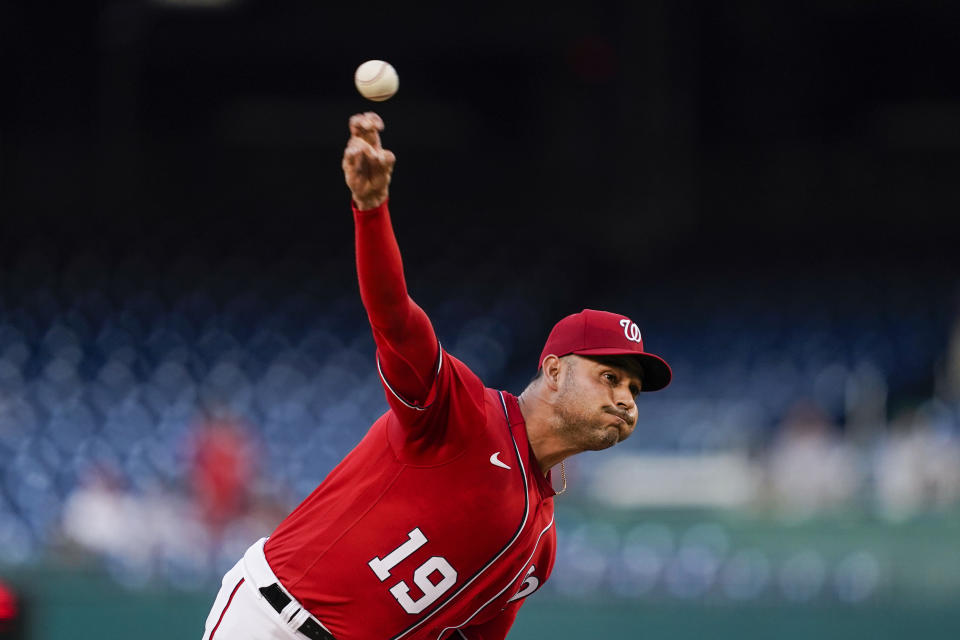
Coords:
pixel 389 160
pixel 367 166
pixel 367 126
pixel 366 120
pixel 363 157
pixel 352 162
pixel 356 149
pixel 359 149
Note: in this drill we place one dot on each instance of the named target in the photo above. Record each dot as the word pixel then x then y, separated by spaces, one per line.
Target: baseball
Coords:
pixel 376 80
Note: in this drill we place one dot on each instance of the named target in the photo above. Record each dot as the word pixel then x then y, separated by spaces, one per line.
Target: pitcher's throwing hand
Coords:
pixel 367 166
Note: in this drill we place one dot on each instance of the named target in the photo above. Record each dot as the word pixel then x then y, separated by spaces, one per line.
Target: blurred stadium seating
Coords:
pixel 107 371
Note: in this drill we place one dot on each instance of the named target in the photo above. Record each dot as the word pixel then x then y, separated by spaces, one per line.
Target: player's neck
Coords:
pixel 540 418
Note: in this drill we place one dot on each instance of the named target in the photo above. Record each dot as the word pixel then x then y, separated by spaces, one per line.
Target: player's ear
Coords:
pixel 551 371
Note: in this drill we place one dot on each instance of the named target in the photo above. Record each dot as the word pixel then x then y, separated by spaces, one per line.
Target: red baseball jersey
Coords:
pixel 436 525
pixel 439 522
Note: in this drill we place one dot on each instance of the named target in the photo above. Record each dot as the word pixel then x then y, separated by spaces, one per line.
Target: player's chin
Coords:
pixel 607 436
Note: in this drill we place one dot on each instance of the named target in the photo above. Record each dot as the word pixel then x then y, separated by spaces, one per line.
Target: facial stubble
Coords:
pixel 584 428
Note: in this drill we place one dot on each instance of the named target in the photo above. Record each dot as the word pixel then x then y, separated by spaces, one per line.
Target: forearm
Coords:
pixel 405 338
pixel 383 288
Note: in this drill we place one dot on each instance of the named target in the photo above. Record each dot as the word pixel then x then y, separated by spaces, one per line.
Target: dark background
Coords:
pixel 655 136
pixel 654 157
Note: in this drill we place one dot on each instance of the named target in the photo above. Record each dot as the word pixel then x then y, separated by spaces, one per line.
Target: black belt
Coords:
pixel 278 600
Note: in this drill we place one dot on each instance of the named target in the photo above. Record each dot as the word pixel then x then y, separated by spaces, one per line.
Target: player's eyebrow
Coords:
pixel 628 367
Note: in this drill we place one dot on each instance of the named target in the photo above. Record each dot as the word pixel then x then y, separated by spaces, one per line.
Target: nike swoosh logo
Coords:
pixel 495 460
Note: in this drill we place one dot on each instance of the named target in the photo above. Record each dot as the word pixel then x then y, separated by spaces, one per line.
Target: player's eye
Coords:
pixel 610 377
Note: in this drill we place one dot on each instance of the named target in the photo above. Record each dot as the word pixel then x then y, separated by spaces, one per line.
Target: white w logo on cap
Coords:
pixel 631 330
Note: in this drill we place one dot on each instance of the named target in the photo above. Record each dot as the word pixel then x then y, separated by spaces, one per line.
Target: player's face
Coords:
pixel 597 403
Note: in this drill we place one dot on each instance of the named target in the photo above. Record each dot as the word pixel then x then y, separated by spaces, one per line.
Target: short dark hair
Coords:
pixel 539 373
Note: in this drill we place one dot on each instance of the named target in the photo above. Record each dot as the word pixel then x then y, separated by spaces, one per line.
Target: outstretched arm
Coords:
pixel 407 346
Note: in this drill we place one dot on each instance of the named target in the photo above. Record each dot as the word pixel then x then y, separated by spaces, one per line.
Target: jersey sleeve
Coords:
pixel 430 392
pixel 493 629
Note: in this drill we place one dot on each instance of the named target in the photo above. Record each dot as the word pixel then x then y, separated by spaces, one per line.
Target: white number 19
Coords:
pixel 421 575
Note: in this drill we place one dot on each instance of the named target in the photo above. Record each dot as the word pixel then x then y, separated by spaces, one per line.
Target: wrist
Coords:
pixel 366 204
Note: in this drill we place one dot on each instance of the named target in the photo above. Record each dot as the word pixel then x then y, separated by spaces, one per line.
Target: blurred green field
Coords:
pixel 683 622
pixel 914 586
pixel 81 606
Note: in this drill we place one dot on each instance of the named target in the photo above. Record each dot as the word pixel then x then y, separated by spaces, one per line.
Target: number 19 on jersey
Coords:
pixel 421 575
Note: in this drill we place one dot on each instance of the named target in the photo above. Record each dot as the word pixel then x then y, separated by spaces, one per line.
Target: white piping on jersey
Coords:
pixel 526 516
pixel 509 584
pixel 397 395
pixel 461 635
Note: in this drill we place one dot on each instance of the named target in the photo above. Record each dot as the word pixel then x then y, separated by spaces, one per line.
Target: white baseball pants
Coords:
pixel 240 612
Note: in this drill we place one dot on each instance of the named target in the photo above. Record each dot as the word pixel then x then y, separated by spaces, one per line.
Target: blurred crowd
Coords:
pixel 910 467
pixel 158 417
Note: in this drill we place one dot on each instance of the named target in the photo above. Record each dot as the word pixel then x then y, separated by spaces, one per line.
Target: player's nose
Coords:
pixel 625 401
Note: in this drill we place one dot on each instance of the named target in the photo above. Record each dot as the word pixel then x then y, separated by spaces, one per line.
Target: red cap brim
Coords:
pixel 656 372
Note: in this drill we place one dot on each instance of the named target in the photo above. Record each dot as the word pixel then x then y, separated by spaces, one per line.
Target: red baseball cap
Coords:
pixel 601 333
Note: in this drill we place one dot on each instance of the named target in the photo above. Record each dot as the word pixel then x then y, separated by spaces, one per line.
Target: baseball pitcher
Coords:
pixel 440 522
